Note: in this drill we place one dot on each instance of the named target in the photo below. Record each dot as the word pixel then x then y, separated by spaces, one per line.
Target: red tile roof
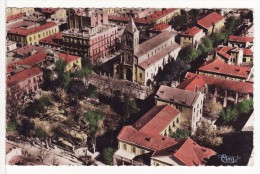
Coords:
pixel 240 39
pixel 49 10
pixel 223 51
pixel 160 27
pixel 26 32
pixel 192 154
pixel 52 39
pixel 23 75
pixel 237 86
pixel 156 119
pixel 218 66
pixel 33 59
pixel 247 51
pixel 153 142
pixel 160 14
pixel 210 19
pixel 191 31
pixel 149 19
pixel 191 83
pixel 15 16
pixel 67 57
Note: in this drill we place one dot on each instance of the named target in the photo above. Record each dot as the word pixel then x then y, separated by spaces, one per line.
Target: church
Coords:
pixel 141 62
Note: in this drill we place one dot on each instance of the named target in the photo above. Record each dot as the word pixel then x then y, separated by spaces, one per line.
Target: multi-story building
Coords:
pixel 73 63
pixel 24 82
pixel 53 41
pixel 217 89
pixel 234 55
pixel 191 36
pixel 158 28
pixel 240 41
pixel 218 68
pixel 54 13
pixel 141 62
pixel 189 103
pixel 147 141
pixel 211 23
pixel 82 18
pixel 31 36
pixel 96 43
pixel 14 11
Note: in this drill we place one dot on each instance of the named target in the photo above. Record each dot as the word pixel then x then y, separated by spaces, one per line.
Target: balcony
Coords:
pixel 126 157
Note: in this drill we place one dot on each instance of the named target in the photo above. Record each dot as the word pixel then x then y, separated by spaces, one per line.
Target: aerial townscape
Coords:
pixel 129 87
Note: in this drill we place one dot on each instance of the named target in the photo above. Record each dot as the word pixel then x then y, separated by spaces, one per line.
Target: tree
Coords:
pixel 108 155
pixel 129 107
pixel 93 118
pixel 179 21
pixel 213 108
pixel 206 135
pixel 180 134
pixel 11 126
pixel 47 78
pixel 116 101
pixel 188 54
pixel 86 62
pixel 206 45
pixel 245 106
pixel 231 25
pixel 172 71
pixel 14 103
pixel 218 38
pixel 40 133
pixel 83 73
pixel 77 88
pixel 229 114
pixel 65 79
pixel 38 106
pixel 60 67
pixel 26 127
pixel 92 91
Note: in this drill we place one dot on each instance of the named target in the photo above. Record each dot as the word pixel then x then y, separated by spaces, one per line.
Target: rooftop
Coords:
pixel 23 75
pixel 28 49
pixel 210 19
pixel 160 27
pixel 223 50
pixel 153 142
pixel 148 62
pixel 177 95
pixel 237 86
pixel 192 154
pixel 33 59
pixel 52 39
pixel 191 31
pixel 49 10
pixel 67 57
pixel 156 119
pixel 153 43
pixel 220 67
pixel 247 52
pixel 241 39
pixel 14 17
pixel 26 32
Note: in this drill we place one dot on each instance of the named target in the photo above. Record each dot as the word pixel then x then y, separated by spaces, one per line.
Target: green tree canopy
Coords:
pixel 93 118
pixel 188 54
pixel 229 114
pixel 129 107
pixel 108 155
pixel 26 127
pixel 231 25
pixel 245 106
pixel 60 66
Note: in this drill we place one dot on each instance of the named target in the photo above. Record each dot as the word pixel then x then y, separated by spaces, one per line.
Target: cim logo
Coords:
pixel 229 159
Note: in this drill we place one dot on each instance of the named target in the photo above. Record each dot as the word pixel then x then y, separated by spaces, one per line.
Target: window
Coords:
pixel 124 146
pixel 141 75
pixel 39 35
pixel 177 120
pixel 173 124
pixel 200 110
pixel 194 110
pixel 133 149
